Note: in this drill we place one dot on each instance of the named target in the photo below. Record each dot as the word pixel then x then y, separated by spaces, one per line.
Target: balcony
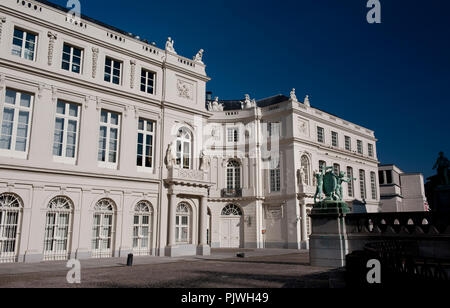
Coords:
pixel 232 193
pixel 187 176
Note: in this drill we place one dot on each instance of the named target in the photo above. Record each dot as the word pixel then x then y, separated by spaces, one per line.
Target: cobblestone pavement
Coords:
pixel 221 270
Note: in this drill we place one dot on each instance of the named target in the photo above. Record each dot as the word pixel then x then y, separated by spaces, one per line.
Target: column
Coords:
pixel 202 221
pixel 172 219
pixel 304 221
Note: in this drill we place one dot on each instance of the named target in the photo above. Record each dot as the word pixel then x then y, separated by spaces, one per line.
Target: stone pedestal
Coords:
pixel 441 199
pixel 331 207
pixel 203 250
pixel 328 243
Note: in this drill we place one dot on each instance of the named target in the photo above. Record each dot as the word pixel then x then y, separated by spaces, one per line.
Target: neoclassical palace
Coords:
pixel 110 145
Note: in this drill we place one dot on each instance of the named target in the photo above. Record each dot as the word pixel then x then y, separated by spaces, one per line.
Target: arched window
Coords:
pixel 231 210
pixel 103 229
pixel 183 221
pixel 233 175
pixel 10 211
pixel 184 148
pixel 306 167
pixel 142 228
pixel 58 229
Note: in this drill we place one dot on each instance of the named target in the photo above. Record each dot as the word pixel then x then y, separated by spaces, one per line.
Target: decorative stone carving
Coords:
pixel 204 161
pixel 248 103
pixel 169 45
pixel 99 103
pixel 303 127
pixel 306 102
pixel 2 81
pixel 293 96
pixel 95 52
pixel 133 73
pixel 54 94
pixel 215 106
pixel 51 45
pixel 2 21
pixel 170 159
pixel 184 89
pixel 199 57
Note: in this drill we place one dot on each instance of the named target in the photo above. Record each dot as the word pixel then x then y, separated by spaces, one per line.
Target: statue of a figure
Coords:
pixel 319 190
pixel 341 178
pixel 294 96
pixel 442 165
pixel 215 106
pixel 306 102
pixel 170 159
pixel 169 45
pixel 301 177
pixel 198 58
pixel 248 103
pixel 204 161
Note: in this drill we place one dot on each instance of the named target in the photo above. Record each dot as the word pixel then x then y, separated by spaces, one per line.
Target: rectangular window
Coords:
pixel 275 180
pixel 113 70
pixel 373 184
pixel 108 144
pixel 381 177
pixel 336 168
pixel 65 138
pixel 360 147
pixel 233 135
pixel 350 184
pixel 72 58
pixel 388 176
pixel 348 143
pixel 320 135
pixel 362 183
pixel 334 139
pixel 16 122
pixel 145 143
pixel 370 150
pixel 24 44
pixel 148 81
pixel 322 165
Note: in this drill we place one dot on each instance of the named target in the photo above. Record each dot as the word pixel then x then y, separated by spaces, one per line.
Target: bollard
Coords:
pixel 130 260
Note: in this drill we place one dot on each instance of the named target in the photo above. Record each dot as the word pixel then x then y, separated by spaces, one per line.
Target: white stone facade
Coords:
pixel 107 148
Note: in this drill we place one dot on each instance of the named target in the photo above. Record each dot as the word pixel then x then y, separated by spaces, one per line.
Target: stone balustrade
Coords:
pixel 187 175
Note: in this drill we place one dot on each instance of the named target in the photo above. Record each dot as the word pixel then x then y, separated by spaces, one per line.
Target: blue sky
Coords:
pixel 392 77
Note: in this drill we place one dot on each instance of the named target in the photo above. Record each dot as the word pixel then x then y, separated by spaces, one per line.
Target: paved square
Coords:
pixel 260 269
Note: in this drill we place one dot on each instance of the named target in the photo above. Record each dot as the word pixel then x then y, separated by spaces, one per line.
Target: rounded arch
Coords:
pixel 63 203
pixel 10 201
pixel 184 223
pixel 306 169
pixel 144 207
pixel 105 205
pixel 184 147
pixel 231 210
pixel 183 208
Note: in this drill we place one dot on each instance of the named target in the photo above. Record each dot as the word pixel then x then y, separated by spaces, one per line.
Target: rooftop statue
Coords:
pixel 169 45
pixel 306 102
pixel 199 57
pixel 294 96
pixel 248 103
pixel 442 165
pixel 215 106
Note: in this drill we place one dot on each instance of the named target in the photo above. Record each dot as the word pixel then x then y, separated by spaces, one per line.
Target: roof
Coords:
pixel 230 105
pixel 92 20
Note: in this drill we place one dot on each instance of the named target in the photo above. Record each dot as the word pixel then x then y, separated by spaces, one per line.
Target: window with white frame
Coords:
pixel 306 167
pixel 370 150
pixel 113 70
pixel 72 58
pixel 350 183
pixel 362 184
pixel 320 135
pixel 184 148
pixel 10 212
pixel 373 184
pixel 148 81
pixel 24 44
pixel 103 229
pixel 65 139
pixel 233 134
pixel 233 175
pixel 348 143
pixel 334 139
pixel 360 147
pixel 142 228
pixel 275 179
pixel 108 144
pixel 16 123
pixel 145 143
pixel 58 229
pixel 182 224
pixel 336 169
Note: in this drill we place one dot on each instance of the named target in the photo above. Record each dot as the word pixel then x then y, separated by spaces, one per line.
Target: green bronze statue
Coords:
pixel 319 189
pixel 442 164
pixel 340 189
